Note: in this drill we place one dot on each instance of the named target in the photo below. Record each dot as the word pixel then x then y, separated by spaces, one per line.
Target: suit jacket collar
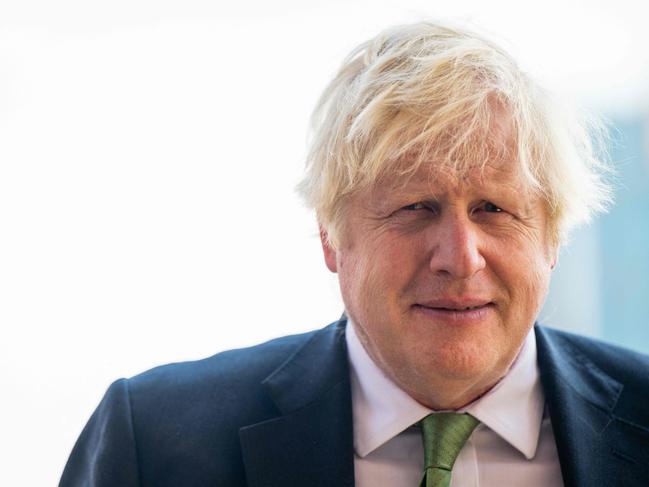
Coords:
pixel 596 444
pixel 311 443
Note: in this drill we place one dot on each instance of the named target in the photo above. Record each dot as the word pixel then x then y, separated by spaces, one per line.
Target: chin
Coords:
pixel 461 361
pixel 463 368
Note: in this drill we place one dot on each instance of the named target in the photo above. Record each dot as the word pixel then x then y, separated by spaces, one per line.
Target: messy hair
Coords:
pixel 429 94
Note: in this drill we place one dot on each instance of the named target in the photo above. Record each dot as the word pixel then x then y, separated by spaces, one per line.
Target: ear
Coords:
pixel 330 254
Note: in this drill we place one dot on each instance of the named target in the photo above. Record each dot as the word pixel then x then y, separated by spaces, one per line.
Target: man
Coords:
pixel 443 182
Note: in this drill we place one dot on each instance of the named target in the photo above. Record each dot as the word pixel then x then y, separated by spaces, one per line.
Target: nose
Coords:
pixel 456 247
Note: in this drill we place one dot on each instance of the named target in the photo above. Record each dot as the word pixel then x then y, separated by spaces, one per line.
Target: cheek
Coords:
pixel 371 278
pixel 394 270
pixel 356 279
pixel 532 280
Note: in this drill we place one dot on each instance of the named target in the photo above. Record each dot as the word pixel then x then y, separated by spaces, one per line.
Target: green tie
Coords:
pixel 444 436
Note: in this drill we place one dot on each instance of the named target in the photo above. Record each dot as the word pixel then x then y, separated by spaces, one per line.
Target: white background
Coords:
pixel 148 155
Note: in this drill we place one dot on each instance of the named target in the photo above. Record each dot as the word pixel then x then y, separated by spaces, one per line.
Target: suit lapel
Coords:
pixel 311 443
pixel 595 445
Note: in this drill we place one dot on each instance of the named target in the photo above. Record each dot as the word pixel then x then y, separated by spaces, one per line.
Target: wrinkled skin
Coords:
pixel 413 256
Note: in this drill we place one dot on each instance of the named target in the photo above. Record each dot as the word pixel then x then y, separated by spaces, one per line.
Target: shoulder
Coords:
pixel 181 410
pixel 178 424
pixel 622 363
pixel 232 377
pixel 579 359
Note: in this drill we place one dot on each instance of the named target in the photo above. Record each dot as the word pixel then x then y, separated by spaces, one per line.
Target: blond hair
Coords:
pixel 425 93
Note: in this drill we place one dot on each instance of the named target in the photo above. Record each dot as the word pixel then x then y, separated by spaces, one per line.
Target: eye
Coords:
pixel 415 206
pixel 491 208
pixel 425 207
pixel 486 208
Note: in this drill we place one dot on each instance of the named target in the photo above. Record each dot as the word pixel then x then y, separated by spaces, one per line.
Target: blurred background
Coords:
pixel 148 155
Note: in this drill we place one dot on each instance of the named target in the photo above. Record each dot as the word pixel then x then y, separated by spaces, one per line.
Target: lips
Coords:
pixel 456 311
pixel 465 304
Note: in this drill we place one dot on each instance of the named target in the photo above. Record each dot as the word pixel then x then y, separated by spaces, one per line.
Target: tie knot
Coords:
pixel 444 435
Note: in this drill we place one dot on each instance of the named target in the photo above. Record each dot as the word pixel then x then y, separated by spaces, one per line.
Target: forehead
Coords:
pixel 438 179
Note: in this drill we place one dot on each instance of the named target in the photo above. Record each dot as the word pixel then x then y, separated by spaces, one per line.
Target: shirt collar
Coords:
pixel 513 409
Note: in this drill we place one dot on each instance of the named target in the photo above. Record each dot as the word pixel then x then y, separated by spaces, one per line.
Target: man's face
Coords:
pixel 444 277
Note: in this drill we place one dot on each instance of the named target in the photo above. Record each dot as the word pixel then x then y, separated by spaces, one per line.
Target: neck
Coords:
pixel 449 401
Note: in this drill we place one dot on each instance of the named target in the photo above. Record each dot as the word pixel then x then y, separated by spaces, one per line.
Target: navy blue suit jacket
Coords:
pixel 279 415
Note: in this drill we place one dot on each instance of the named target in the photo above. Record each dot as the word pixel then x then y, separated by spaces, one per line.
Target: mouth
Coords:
pixel 465 311
pixel 456 309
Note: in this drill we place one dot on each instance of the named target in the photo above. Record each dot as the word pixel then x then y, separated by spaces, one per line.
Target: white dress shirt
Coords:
pixel 513 445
